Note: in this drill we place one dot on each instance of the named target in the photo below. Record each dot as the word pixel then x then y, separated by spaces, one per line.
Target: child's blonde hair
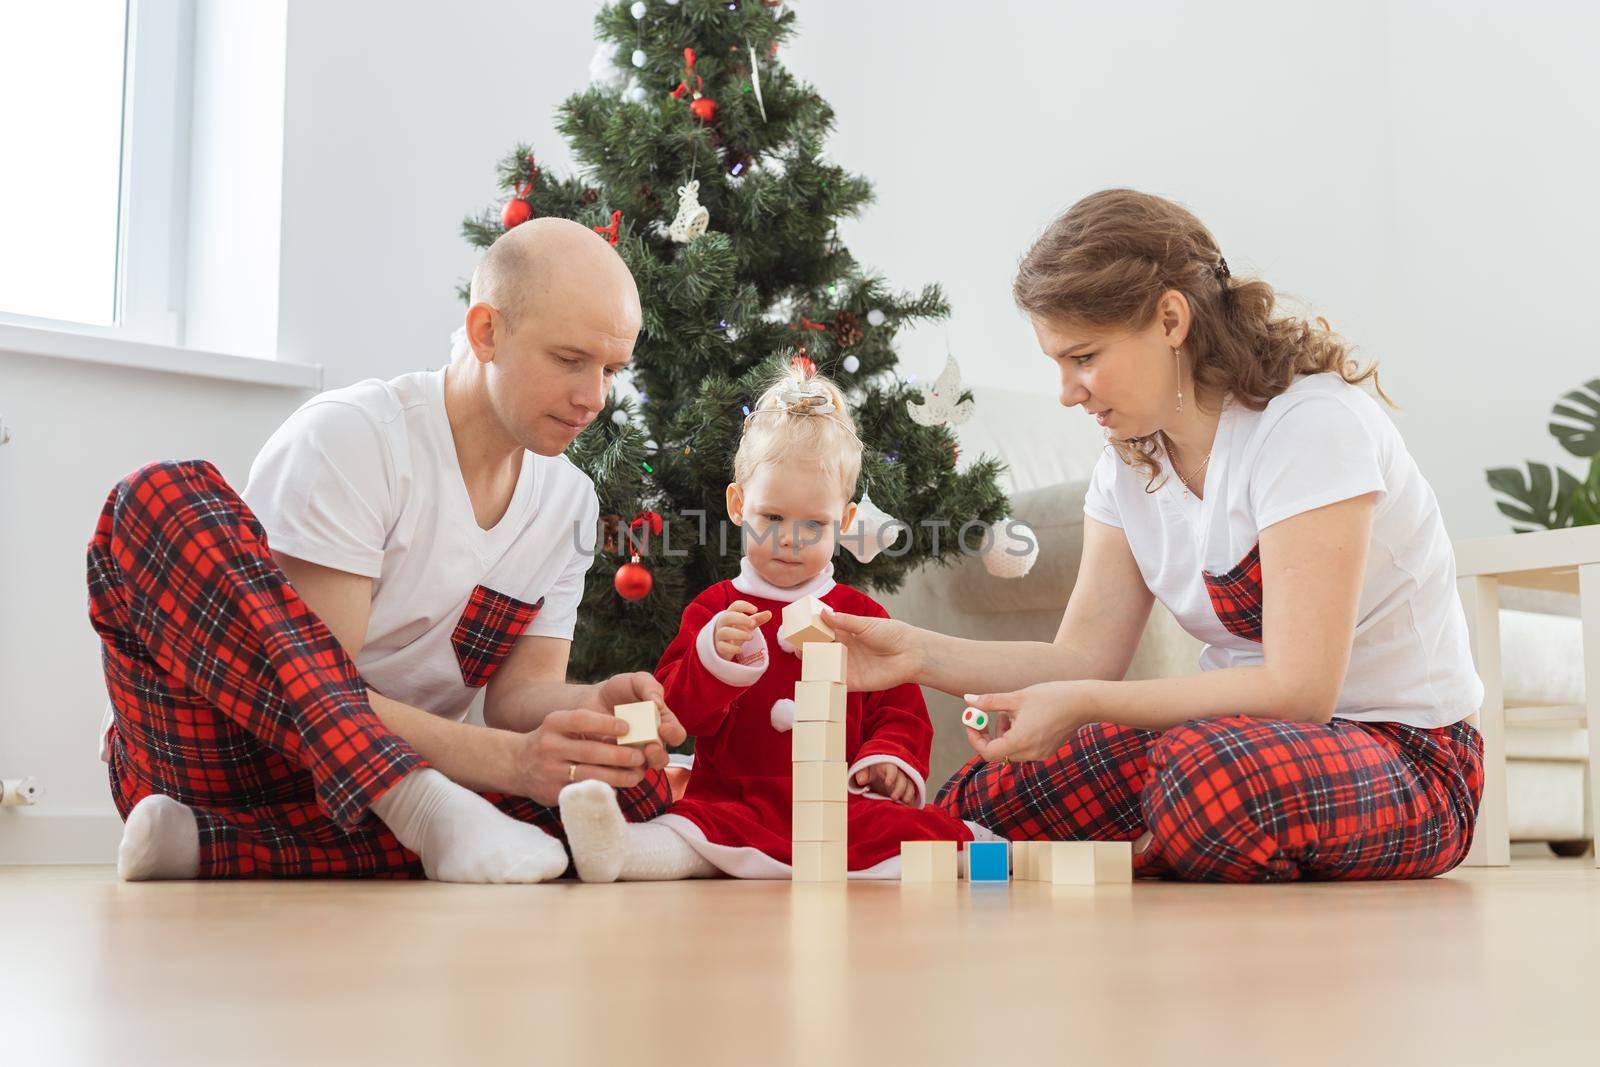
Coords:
pixel 801 415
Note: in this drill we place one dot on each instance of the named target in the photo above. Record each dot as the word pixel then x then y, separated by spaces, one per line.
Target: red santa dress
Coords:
pixel 736 809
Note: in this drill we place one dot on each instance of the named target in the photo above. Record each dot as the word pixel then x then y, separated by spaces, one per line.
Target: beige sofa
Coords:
pixel 1050 453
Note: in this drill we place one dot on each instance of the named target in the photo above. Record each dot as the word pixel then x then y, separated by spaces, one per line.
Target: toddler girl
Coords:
pixel 731 680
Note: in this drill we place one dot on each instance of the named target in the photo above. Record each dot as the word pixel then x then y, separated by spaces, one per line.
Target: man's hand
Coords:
pixel 736 627
pixel 890 781
pixel 634 687
pixel 570 746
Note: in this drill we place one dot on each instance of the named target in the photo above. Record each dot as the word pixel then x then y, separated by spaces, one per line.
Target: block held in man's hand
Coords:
pixel 642 719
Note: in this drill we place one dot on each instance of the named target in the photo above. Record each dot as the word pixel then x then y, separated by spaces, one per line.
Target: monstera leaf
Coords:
pixel 1580 433
pixel 1543 497
pixel 1584 503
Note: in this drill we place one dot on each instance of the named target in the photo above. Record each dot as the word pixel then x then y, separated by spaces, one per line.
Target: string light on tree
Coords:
pixel 638 9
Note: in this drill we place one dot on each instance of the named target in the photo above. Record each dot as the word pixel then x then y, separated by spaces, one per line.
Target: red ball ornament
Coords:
pixel 704 108
pixel 633 580
pixel 515 213
pixel 803 363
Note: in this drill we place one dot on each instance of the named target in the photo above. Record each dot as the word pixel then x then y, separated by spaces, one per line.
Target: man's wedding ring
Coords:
pixel 572 773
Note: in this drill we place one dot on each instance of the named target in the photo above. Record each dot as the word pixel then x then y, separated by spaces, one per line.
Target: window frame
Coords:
pixel 153 185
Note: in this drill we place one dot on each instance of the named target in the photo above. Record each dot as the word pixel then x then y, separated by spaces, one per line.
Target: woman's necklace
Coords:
pixel 1186 481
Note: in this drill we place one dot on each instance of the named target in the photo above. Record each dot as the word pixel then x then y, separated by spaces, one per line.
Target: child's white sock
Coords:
pixel 461 837
pixel 606 848
pixel 160 840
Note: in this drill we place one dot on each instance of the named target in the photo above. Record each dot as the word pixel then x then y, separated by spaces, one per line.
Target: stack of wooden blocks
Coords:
pixel 820 791
pixel 1056 862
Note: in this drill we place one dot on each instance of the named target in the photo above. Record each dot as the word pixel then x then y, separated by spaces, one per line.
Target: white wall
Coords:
pixel 1417 171
pixel 393 128
pixel 1421 173
pixel 76 428
pixel 1491 259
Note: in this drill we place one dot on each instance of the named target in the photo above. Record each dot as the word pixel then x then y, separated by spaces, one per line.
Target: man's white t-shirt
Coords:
pixel 365 479
pixel 1320 441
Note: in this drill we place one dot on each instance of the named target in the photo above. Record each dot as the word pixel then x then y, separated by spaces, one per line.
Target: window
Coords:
pixel 93 164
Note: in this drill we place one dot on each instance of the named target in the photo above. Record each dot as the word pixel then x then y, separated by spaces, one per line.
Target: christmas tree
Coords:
pixel 702 159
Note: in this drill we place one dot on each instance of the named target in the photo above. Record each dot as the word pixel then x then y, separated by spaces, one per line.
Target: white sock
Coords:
pixel 606 847
pixel 160 840
pixel 461 837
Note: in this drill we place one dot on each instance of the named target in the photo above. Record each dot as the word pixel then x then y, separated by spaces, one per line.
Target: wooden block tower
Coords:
pixel 820 789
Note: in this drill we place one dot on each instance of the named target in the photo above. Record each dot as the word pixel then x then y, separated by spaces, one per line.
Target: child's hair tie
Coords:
pixel 810 397
pixel 806 399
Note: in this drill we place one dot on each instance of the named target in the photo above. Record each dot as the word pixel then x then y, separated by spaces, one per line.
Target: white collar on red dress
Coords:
pixel 748 581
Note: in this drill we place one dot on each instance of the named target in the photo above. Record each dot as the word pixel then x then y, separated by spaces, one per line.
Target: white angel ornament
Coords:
pixel 942 404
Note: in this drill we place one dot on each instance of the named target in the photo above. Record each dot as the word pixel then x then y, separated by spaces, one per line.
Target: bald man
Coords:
pixel 289 671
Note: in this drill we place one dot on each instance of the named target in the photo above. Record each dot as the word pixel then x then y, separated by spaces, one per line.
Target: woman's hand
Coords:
pixel 883 653
pixel 1034 722
pixel 736 627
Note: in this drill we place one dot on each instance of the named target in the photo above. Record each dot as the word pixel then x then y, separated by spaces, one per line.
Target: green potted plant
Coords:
pixel 1547 497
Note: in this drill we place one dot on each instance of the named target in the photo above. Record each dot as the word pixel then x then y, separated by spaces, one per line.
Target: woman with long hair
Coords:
pixel 1260 493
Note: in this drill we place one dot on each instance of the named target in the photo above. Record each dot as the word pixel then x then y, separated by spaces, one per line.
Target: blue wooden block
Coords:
pixel 988 861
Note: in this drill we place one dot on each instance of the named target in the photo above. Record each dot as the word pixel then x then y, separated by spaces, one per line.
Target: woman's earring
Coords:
pixel 1178 370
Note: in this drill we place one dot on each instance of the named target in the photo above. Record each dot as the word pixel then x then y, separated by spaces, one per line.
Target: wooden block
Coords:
pixel 927 861
pixel 822 661
pixel 642 719
pixel 819 861
pixel 988 861
pixel 1024 855
pixel 819 742
pixel 819 701
pixel 1090 862
pixel 975 719
pixel 802 622
pixel 819 822
pixel 824 782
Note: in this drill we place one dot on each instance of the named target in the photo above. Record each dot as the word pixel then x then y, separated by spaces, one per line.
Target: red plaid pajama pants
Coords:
pixel 1243 799
pixel 230 695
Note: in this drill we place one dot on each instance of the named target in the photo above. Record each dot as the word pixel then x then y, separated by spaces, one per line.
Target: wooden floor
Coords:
pixel 1477 967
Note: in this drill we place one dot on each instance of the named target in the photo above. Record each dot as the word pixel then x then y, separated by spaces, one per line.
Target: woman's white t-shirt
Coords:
pixel 1320 441
pixel 365 479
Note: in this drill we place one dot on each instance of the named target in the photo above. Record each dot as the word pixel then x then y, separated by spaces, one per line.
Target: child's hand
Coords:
pixel 890 781
pixel 737 626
